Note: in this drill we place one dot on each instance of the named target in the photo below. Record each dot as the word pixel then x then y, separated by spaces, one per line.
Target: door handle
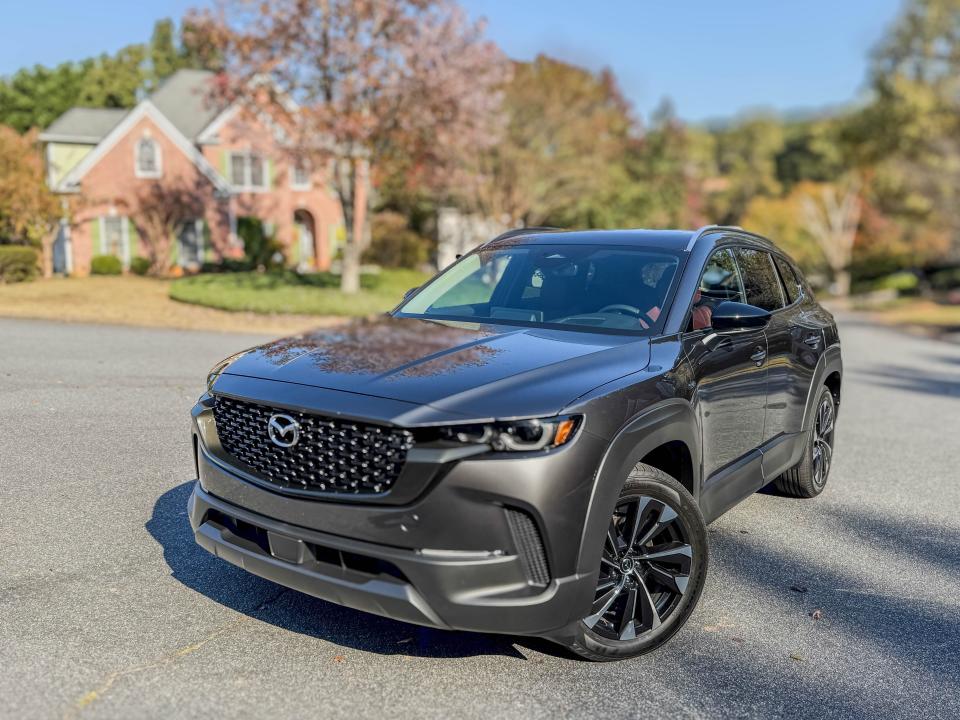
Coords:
pixel 813 340
pixel 759 355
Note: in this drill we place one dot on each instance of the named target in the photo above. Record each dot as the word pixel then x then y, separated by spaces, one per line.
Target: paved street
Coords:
pixel 109 610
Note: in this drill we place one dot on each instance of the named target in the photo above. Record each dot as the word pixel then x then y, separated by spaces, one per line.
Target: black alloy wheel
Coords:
pixel 653 564
pixel 645 569
pixel 823 440
pixel 809 477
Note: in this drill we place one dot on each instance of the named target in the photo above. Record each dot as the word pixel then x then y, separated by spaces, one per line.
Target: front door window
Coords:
pixel 190 244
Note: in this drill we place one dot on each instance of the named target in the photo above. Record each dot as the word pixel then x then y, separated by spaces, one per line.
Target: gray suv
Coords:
pixel 530 443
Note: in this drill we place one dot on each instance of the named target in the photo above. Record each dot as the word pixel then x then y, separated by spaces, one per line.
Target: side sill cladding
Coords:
pixel 669 421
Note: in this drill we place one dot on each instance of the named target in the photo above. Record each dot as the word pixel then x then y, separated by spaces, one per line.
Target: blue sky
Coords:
pixel 715 58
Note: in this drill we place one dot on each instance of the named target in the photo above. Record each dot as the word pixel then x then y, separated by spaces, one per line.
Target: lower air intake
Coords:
pixel 529 544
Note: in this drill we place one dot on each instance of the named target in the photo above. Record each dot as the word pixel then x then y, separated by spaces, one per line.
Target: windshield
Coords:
pixel 595 287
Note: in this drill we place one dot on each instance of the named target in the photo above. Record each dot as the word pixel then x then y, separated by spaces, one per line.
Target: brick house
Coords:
pixel 176 150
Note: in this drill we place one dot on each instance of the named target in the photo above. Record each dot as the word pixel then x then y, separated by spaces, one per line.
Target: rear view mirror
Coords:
pixel 738 316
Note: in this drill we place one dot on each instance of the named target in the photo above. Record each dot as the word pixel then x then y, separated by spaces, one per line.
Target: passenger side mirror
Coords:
pixel 738 316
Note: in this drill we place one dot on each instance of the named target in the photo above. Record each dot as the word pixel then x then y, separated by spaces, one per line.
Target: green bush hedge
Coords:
pixel 393 244
pixel 228 265
pixel 18 263
pixel 105 265
pixel 139 265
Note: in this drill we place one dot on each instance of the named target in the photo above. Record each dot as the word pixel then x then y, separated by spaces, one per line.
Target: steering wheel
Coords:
pixel 624 309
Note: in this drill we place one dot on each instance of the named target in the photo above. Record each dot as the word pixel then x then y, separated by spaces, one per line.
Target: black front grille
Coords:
pixel 331 455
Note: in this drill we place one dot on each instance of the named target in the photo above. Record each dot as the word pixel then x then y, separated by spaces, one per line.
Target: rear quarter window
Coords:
pixel 791 282
pixel 760 279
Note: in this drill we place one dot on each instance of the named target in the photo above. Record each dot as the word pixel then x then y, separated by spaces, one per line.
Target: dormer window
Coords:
pixel 147 158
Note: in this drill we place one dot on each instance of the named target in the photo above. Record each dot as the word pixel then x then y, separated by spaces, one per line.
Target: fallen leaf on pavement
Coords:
pixel 817 614
pixel 339 658
pixel 797 657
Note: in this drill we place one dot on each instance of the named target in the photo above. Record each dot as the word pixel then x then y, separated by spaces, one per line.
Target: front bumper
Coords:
pixel 448 558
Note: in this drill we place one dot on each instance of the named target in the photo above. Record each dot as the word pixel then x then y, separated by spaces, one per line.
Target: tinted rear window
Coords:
pixel 760 280
pixel 790 280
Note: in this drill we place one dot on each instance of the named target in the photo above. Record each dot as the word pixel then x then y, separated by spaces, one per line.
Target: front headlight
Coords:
pixel 517 435
pixel 218 369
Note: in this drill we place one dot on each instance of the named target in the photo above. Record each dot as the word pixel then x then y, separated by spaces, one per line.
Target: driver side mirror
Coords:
pixel 738 316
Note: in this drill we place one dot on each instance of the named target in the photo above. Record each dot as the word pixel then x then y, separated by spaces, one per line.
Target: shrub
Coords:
pixel 228 265
pixel 393 244
pixel 259 248
pixel 18 263
pixel 139 265
pixel 903 282
pixel 105 265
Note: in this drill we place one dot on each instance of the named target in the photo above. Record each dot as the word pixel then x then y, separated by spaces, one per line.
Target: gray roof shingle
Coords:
pixel 82 124
pixel 184 99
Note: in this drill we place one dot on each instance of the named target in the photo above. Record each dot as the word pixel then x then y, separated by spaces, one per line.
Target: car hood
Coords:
pixel 470 369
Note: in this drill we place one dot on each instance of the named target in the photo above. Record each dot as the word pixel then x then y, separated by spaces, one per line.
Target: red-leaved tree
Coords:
pixel 357 81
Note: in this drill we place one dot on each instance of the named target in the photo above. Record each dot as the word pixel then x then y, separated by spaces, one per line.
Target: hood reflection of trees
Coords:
pixel 410 348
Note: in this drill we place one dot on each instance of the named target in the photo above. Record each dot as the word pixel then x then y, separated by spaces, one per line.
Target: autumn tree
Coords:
pixel 159 210
pixel 28 210
pixel 746 153
pixel 367 78
pixel 908 135
pixel 566 132
pixel 831 215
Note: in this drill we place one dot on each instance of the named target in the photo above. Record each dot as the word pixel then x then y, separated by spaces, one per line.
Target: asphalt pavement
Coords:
pixel 845 606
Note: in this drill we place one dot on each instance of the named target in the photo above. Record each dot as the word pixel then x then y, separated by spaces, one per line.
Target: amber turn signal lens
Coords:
pixel 564 431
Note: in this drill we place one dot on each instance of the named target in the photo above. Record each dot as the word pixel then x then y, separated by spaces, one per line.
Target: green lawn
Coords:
pixel 288 292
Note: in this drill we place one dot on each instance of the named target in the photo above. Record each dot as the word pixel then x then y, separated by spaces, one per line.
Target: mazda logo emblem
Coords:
pixel 283 430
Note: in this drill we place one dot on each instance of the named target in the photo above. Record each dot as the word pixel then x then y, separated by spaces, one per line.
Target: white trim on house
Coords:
pixel 209 135
pixel 157 157
pixel 67 247
pixel 125 234
pixel 69 139
pixel 145 109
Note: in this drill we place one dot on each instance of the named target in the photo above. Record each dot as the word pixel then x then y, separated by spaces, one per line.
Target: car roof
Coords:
pixel 676 240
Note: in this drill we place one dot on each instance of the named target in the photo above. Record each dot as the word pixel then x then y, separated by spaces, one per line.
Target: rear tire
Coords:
pixel 808 477
pixel 653 567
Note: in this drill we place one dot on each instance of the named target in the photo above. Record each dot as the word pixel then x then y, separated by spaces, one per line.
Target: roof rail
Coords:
pixel 523 231
pixel 700 232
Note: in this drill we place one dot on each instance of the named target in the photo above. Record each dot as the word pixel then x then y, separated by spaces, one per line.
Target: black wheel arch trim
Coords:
pixel 829 363
pixel 669 421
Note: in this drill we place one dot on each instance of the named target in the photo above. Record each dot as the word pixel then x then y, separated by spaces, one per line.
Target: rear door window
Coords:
pixel 760 279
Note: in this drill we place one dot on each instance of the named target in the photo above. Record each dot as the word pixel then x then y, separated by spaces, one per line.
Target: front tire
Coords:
pixel 652 570
pixel 808 478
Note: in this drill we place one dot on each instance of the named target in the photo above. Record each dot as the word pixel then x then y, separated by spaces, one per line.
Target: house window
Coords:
pixel 248 171
pixel 301 176
pixel 191 243
pixel 114 231
pixel 113 236
pixel 147 158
